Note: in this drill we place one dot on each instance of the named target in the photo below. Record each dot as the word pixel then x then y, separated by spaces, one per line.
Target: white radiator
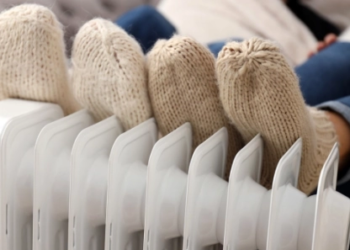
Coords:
pixel 67 183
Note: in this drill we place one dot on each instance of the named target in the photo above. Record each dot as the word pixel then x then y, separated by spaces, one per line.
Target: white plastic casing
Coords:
pixel 299 222
pixel 51 181
pixel 114 196
pixel 206 194
pixel 89 173
pixel 127 187
pixel 248 203
pixel 166 190
pixel 332 209
pixel 20 125
pixel 287 202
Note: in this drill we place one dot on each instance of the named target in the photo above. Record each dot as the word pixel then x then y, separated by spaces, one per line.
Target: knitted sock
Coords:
pixel 260 94
pixel 32 57
pixel 182 86
pixel 110 75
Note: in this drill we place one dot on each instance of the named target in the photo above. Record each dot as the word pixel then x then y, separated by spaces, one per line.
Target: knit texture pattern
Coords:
pixel 110 75
pixel 32 57
pixel 260 94
pixel 183 88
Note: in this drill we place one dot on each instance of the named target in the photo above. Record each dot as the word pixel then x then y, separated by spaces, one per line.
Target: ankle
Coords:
pixel 342 129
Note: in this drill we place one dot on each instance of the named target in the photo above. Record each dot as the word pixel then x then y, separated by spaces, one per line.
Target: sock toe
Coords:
pixel 110 75
pixel 242 56
pixel 32 57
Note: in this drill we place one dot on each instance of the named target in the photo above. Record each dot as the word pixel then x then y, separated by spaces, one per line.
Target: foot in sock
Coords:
pixel 260 94
pixel 32 57
pixel 109 75
pixel 182 86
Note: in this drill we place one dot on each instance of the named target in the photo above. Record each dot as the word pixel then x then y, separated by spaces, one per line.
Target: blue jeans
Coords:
pixel 146 25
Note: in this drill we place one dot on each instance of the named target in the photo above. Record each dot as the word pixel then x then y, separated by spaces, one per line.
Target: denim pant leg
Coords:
pixel 326 76
pixel 146 25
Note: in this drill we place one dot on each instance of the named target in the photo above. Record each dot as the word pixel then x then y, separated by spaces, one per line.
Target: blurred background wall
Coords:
pixel 74 13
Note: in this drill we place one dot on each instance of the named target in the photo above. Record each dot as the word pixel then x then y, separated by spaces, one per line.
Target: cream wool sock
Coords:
pixel 110 76
pixel 182 86
pixel 260 94
pixel 32 57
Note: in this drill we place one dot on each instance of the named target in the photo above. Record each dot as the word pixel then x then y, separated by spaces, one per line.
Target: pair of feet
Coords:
pixel 250 89
pixel 108 75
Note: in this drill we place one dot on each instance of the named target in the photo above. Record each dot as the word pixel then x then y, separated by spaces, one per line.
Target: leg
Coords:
pixel 342 128
pixel 260 94
pixel 146 25
pixel 326 76
pixel 339 113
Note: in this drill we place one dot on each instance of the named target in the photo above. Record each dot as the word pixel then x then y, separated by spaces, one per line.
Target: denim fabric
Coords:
pixel 146 25
pixel 326 76
pixel 216 47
